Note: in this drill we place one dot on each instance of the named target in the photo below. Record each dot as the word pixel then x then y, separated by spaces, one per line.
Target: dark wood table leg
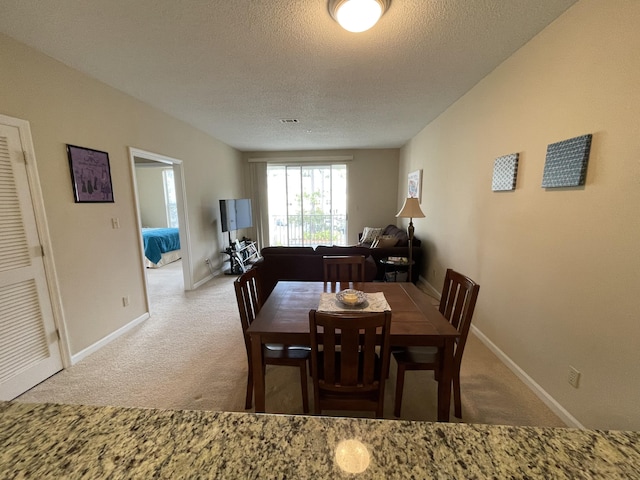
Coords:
pixel 444 384
pixel 258 373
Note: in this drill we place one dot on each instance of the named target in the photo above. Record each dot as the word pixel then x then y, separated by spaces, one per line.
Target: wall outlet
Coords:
pixel 125 301
pixel 115 223
pixel 574 377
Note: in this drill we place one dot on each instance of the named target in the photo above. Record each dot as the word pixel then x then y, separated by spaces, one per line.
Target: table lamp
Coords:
pixel 410 210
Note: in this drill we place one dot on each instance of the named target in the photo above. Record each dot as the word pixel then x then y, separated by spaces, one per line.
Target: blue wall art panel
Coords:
pixel 566 164
pixel 505 171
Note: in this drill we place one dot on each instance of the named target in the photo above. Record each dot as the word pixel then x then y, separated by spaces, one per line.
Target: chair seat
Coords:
pixel 293 352
pixel 416 355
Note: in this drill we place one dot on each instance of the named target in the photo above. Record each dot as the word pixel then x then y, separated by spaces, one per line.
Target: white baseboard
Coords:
pixel 214 273
pixel 203 281
pixel 108 339
pixel 547 399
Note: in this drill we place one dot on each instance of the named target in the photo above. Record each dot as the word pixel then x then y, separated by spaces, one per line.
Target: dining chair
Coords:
pixel 459 295
pixel 343 268
pixel 347 372
pixel 249 298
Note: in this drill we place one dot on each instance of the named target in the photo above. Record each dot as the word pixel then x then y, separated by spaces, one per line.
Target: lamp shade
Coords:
pixel 357 15
pixel 410 209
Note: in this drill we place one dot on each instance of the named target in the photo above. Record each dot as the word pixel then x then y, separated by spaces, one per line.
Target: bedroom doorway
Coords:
pixel 171 201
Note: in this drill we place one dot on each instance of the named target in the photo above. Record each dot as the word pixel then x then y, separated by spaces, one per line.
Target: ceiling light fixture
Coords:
pixel 357 15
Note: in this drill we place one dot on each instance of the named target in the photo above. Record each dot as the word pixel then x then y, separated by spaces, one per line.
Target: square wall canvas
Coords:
pixel 566 163
pixel 505 171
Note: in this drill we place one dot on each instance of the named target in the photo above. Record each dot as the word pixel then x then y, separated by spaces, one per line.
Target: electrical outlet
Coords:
pixel 574 377
pixel 125 301
pixel 115 223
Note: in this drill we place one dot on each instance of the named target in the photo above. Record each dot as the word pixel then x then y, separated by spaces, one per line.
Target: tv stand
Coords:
pixel 242 255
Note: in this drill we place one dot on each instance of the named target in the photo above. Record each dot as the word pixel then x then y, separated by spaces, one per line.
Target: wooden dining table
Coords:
pixel 284 319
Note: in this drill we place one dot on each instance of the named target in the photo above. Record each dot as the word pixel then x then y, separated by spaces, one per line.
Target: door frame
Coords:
pixel 42 226
pixel 181 201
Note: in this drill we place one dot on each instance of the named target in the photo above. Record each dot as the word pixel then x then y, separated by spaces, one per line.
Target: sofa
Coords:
pixel 304 264
pixel 399 248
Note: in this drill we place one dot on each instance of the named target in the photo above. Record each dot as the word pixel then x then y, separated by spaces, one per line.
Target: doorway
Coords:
pixel 161 162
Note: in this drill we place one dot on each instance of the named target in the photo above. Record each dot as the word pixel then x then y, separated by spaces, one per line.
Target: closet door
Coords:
pixel 29 350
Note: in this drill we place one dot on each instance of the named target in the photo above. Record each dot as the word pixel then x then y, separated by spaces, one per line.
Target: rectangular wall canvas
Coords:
pixel 414 189
pixel 566 163
pixel 505 171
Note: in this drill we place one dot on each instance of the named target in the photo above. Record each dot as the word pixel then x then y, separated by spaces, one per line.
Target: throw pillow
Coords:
pixel 369 234
pixel 385 241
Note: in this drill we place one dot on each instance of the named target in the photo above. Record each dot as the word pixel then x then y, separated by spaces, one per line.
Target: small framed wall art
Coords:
pixel 90 175
pixel 505 172
pixel 566 162
pixel 415 185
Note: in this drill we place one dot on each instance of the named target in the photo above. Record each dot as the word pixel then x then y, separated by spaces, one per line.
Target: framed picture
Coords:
pixel 415 185
pixel 90 175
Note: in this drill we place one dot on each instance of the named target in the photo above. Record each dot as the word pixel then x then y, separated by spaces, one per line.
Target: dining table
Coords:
pixel 284 319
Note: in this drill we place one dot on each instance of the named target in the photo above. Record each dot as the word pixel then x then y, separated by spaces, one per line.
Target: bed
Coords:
pixel 161 246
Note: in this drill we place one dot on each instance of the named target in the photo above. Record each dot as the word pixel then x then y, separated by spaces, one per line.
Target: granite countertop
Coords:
pixel 71 441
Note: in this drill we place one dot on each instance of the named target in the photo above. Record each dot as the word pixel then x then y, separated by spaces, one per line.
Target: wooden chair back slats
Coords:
pixel 250 301
pixel 459 296
pixel 457 303
pixel 343 268
pixel 347 371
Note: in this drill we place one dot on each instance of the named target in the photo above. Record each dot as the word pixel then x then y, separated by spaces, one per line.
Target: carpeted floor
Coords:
pixel 190 355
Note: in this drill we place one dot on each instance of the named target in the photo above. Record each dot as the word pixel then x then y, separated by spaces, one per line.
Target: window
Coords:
pixel 170 198
pixel 307 204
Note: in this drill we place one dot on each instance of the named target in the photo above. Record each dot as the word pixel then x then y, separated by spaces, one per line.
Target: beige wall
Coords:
pixel 371 183
pixel 98 265
pixel 559 269
pixel 150 183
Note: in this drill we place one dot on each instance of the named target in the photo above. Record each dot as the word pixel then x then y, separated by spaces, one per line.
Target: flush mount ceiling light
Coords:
pixel 357 15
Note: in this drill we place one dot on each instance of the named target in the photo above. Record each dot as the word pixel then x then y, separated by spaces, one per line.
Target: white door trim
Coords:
pixel 183 219
pixel 42 226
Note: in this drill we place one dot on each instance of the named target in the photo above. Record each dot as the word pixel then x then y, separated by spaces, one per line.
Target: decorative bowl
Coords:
pixel 351 298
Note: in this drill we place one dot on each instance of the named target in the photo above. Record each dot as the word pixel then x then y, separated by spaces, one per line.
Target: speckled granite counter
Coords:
pixel 66 441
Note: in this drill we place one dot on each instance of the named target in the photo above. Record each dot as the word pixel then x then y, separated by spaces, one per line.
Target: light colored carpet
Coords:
pixel 190 355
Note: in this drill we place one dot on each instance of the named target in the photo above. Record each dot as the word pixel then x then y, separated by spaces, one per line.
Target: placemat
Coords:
pixel 376 302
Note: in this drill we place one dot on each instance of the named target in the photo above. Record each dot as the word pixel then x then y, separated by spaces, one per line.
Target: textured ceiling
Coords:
pixel 235 68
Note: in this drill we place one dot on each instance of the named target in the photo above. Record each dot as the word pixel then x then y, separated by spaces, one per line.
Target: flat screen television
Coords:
pixel 235 214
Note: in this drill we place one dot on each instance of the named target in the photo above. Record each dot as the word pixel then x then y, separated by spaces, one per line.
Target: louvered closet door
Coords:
pixel 29 351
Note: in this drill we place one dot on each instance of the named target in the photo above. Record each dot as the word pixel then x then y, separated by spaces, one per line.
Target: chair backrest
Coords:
pixel 249 298
pixel 459 295
pixel 348 364
pixel 343 268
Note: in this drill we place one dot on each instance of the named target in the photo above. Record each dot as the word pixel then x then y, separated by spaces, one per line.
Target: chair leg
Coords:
pixel 248 403
pixel 399 388
pixel 305 390
pixel 457 401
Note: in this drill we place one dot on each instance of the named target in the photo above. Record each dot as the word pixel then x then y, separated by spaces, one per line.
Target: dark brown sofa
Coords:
pixel 304 264
pixel 401 249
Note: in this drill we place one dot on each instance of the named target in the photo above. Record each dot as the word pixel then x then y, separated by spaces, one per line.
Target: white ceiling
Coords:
pixel 235 68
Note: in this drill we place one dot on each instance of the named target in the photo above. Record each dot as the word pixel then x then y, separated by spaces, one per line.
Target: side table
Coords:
pixel 395 269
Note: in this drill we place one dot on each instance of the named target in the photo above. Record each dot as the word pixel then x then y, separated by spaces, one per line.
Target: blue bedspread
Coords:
pixel 158 241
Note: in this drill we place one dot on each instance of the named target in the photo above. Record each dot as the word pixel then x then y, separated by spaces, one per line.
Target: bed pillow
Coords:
pixel 384 241
pixel 369 234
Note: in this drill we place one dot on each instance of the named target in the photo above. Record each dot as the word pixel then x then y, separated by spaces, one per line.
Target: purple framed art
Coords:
pixel 90 175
